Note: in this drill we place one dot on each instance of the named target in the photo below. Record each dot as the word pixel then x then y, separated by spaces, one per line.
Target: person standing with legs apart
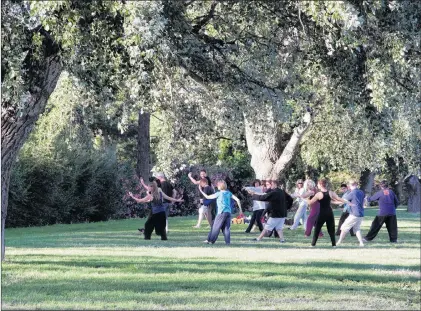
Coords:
pixel 157 219
pixel 355 218
pixel 169 190
pixel 277 209
pixel 202 175
pixel 258 207
pixel 345 212
pixel 388 202
pixel 301 213
pixel 310 191
pixel 326 214
pixel 223 217
pixel 205 208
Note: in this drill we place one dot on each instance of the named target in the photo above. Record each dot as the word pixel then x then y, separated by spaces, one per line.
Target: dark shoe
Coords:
pixel 141 230
pixel 246 231
pixel 282 241
pixel 256 240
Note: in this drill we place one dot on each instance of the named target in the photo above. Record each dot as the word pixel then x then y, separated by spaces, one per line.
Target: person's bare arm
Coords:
pixel 148 198
pixel 196 182
pixel 143 183
pixel 169 198
pixel 212 196
pixel 316 198
pixel 307 194
pixel 238 203
pixel 336 198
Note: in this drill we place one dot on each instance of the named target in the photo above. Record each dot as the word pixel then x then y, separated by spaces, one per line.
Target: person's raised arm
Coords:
pixel 144 200
pixel 238 203
pixel 211 196
pixel 196 182
pixel 143 183
pixel 169 198
pixel 318 196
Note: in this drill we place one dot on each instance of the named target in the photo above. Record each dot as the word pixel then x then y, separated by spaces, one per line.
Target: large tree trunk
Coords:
pixel 270 153
pixel 17 125
pixel 143 145
pixel 414 197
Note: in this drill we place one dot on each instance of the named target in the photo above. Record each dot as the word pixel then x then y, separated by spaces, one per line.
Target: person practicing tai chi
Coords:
pixel 204 210
pixel 258 207
pixel 326 214
pixel 301 213
pixel 205 204
pixel 356 214
pixel 310 190
pixel 276 208
pixel 223 218
pixel 169 190
pixel 157 219
pixel 388 202
pixel 345 212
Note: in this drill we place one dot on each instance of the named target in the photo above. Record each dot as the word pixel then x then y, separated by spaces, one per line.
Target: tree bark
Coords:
pixel 143 145
pixel 17 125
pixel 414 197
pixel 270 157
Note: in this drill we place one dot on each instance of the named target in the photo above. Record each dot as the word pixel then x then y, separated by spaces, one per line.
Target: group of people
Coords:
pixel 216 205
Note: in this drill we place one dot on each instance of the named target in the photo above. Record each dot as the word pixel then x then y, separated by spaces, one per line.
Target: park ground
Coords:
pixel 108 265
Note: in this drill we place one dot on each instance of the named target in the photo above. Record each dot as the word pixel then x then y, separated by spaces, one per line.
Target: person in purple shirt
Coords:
pixel 356 213
pixel 388 202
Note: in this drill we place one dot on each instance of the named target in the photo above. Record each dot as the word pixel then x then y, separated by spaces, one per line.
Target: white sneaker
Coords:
pixel 361 245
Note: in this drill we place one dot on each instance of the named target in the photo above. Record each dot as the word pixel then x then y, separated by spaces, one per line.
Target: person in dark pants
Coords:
pixel 277 208
pixel 326 214
pixel 168 189
pixel 345 211
pixel 388 202
pixel 223 217
pixel 157 218
pixel 258 207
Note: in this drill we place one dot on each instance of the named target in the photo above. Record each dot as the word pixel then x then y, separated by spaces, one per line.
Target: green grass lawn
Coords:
pixel 109 266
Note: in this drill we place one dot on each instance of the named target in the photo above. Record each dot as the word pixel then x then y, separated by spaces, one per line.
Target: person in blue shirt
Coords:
pixel 356 213
pixel 223 217
pixel 345 211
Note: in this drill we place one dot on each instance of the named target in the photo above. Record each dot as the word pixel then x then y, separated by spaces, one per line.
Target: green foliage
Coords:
pixel 60 175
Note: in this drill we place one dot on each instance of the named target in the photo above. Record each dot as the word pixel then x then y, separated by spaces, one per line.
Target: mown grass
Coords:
pixel 109 266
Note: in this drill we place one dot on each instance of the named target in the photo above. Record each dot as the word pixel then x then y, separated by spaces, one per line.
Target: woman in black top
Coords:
pixel 326 214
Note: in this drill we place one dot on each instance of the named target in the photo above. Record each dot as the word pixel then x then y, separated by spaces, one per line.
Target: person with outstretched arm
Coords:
pixel 388 202
pixel 345 212
pixel 223 217
pixel 325 197
pixel 258 207
pixel 157 220
pixel 276 208
pixel 356 214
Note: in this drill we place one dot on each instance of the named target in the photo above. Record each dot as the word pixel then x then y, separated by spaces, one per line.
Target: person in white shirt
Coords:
pixel 301 213
pixel 258 207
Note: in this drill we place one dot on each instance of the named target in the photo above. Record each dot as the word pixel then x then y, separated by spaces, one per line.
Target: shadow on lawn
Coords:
pixel 154 265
